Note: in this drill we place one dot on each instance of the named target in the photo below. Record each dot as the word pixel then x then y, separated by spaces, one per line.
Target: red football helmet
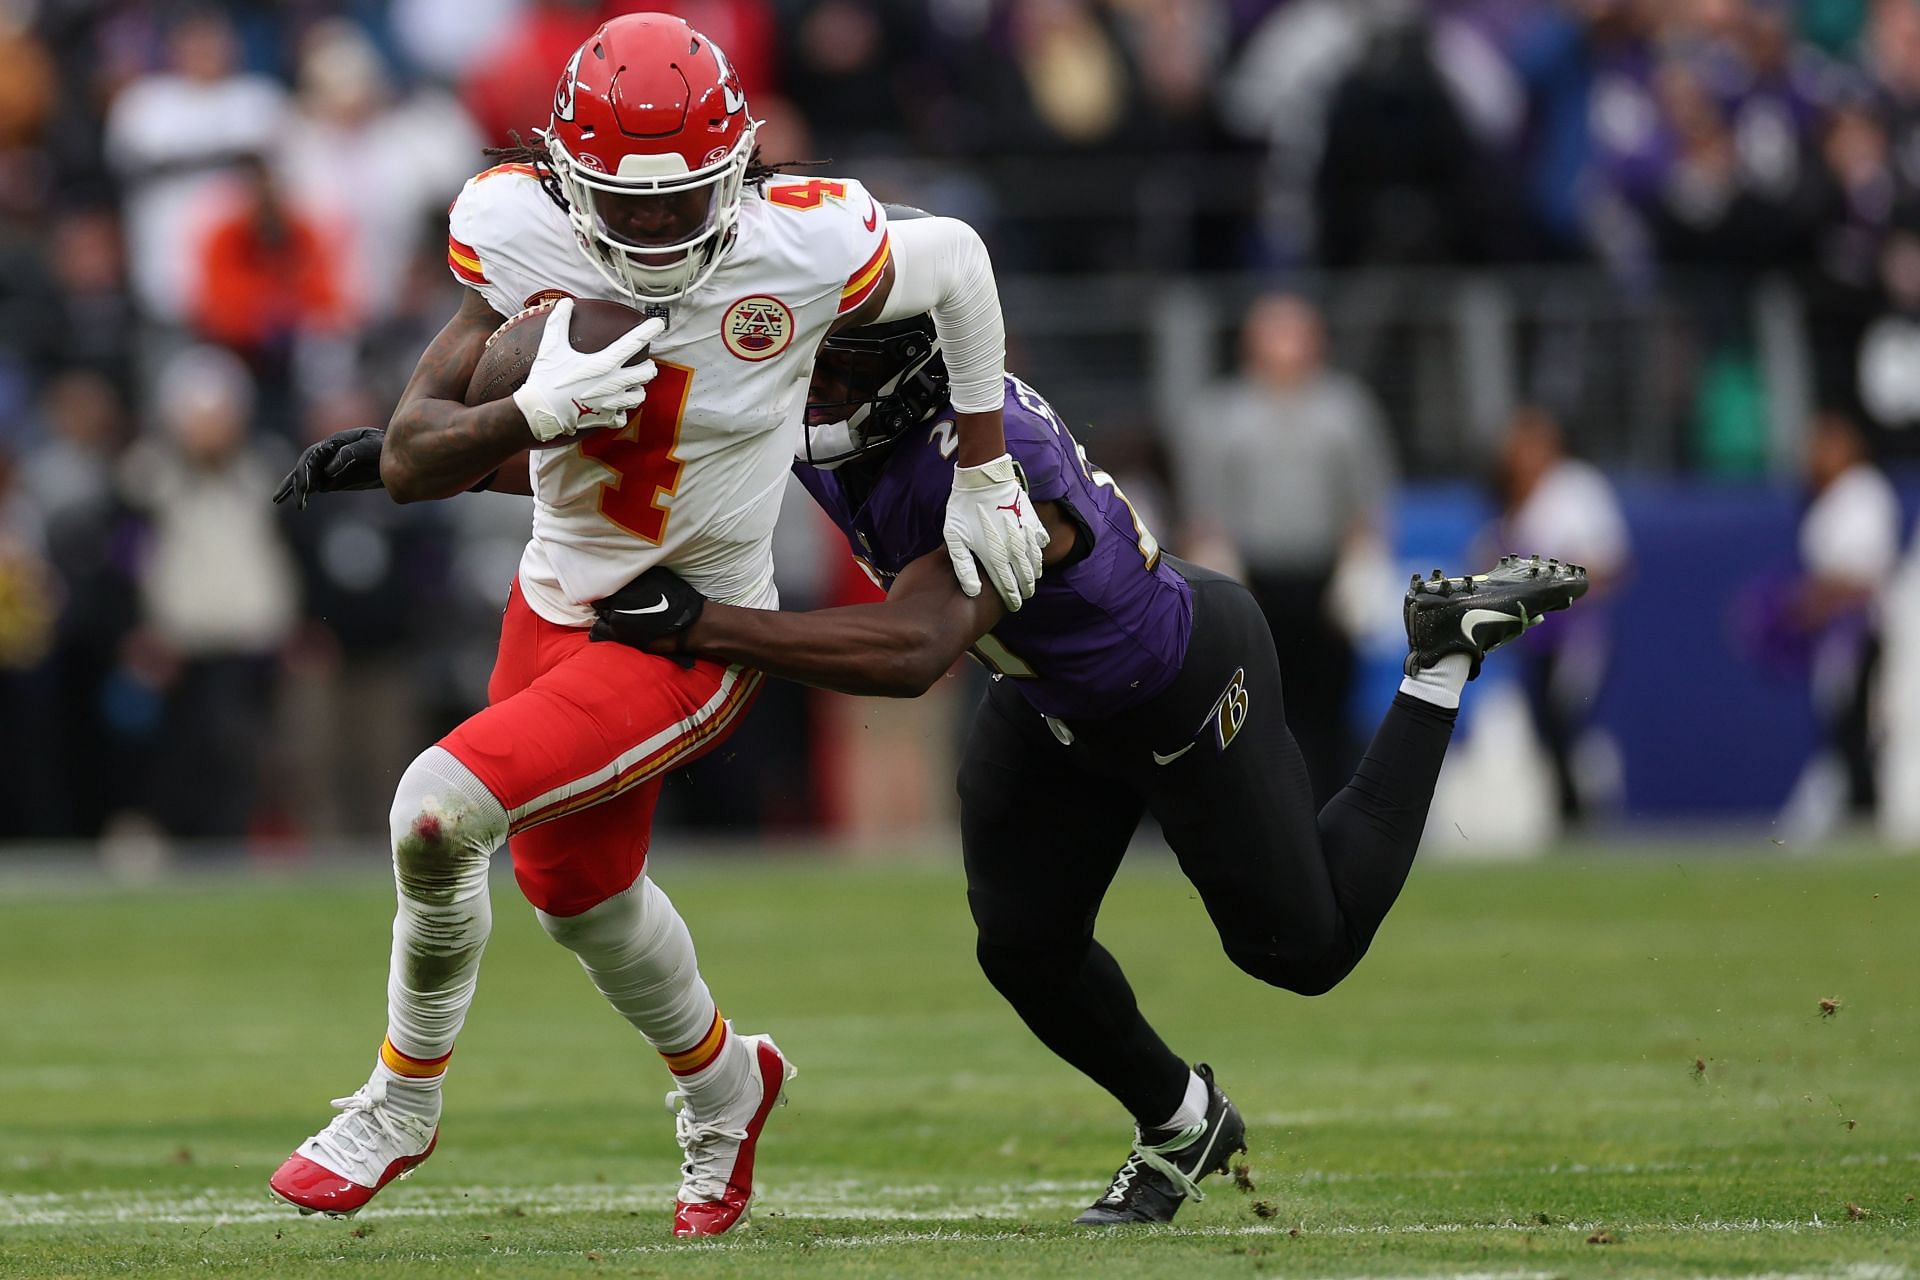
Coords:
pixel 650 141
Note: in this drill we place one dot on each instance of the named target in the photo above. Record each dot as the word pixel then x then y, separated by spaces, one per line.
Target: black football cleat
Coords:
pixel 1477 615
pixel 1167 1164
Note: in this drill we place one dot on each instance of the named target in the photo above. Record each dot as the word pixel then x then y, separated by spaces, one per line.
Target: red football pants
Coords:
pixel 575 742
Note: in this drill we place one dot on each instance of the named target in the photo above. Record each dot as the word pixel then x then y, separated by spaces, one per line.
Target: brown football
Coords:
pixel 510 351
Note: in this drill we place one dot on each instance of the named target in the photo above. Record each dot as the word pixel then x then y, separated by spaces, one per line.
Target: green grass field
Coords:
pixel 1596 1065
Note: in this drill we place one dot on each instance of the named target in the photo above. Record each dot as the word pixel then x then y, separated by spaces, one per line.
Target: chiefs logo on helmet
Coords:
pixel 569 80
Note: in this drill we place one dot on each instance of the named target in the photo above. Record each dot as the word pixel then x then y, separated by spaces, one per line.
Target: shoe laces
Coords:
pixel 709 1149
pixel 1154 1156
pixel 368 1132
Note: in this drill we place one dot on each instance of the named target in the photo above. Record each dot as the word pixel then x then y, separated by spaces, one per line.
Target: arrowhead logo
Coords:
pixel 730 94
pixel 563 96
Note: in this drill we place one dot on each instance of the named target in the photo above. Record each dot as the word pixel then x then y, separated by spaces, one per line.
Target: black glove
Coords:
pixel 344 460
pixel 658 605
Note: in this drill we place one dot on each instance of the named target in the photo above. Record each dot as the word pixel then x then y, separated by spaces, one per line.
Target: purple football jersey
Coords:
pixel 1102 633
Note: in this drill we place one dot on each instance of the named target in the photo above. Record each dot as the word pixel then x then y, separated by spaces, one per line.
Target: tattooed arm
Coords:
pixel 436 445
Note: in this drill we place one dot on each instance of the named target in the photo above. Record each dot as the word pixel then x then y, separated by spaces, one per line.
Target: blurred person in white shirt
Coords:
pixel 172 138
pixel 1564 508
pixel 1849 547
pixel 370 166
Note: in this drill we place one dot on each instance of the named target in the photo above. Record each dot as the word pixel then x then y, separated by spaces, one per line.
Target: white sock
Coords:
pixel 638 952
pixel 417 1098
pixel 1440 683
pixel 1193 1107
pixel 721 1080
pixel 445 826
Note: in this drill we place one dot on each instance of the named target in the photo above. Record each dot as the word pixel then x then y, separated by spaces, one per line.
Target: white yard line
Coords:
pixel 837 1201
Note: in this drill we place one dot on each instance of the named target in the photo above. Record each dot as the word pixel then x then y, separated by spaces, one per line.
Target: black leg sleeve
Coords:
pixel 1371 829
pixel 1297 898
pixel 1043 840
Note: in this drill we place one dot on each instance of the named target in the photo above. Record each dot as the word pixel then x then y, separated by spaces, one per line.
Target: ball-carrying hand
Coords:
pixel 652 613
pixel 344 460
pixel 567 389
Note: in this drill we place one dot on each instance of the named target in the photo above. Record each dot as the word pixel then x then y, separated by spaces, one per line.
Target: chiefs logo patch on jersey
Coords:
pixel 757 327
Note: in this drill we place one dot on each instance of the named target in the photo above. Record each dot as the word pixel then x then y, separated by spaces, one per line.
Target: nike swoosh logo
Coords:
pixel 660 607
pixel 873 214
pixel 1473 619
pixel 1160 759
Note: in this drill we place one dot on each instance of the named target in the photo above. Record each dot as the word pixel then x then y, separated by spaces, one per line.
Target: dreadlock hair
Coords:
pixel 533 150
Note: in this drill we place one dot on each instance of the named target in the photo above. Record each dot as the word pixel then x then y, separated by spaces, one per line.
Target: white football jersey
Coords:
pixel 695 478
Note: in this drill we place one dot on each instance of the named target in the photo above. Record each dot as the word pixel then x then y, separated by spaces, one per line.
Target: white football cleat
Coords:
pixel 368 1145
pixel 717 1178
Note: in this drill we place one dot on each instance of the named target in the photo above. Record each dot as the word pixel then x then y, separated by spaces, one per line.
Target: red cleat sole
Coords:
pixel 313 1188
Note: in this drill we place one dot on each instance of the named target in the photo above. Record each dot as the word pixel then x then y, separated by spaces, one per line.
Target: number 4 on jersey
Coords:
pixel 806 195
pixel 641 456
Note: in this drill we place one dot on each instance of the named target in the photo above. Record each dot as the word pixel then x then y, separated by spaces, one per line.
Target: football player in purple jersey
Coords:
pixel 1131 683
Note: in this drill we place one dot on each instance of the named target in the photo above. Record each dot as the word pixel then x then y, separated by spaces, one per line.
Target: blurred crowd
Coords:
pixel 221 237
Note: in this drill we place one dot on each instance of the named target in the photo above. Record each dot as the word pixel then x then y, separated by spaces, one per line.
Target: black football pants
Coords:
pixel 1295 895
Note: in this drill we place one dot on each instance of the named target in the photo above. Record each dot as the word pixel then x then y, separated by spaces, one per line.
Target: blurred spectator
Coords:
pixel 368 168
pixel 1561 508
pixel 444 37
pixel 1849 548
pixel 1892 56
pixel 853 65
pixel 266 275
pixel 71 473
pixel 1856 201
pixel 1379 62
pixel 1397 178
pixel 218 595
pixel 171 137
pixel 1714 206
pixel 28 88
pixel 30 785
pixel 1887 364
pixel 1289 464
pixel 510 87
pixel 93 320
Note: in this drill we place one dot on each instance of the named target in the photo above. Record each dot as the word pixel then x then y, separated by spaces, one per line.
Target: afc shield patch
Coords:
pixel 758 327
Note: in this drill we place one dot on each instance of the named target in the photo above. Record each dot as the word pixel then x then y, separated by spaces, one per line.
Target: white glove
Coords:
pixel 988 516
pixel 566 389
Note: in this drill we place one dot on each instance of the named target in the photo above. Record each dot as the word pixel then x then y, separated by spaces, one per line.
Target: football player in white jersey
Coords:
pixel 646 188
